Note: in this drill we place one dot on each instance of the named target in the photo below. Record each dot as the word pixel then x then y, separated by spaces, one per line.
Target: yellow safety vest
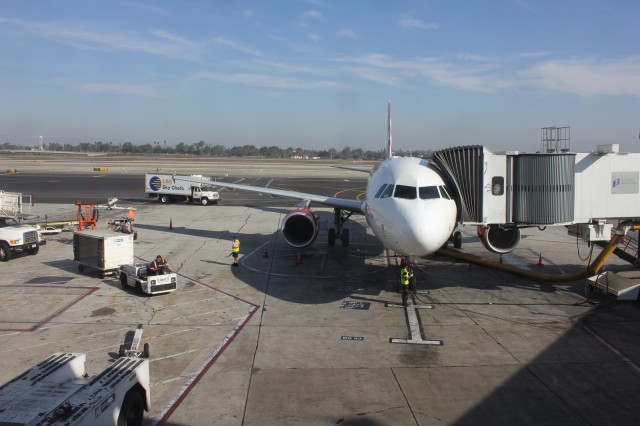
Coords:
pixel 236 246
pixel 404 276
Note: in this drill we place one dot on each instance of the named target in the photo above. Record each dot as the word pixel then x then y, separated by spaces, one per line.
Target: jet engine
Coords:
pixel 300 228
pixel 498 238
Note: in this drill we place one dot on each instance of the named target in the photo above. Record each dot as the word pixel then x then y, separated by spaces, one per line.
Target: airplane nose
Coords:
pixel 427 232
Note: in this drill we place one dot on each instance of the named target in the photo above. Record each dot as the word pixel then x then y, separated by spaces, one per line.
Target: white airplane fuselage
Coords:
pixel 416 216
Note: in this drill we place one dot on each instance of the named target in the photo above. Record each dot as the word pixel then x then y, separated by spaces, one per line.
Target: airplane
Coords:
pixel 406 204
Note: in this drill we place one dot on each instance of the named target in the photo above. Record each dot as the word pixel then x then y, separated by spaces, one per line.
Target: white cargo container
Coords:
pixel 172 188
pixel 102 250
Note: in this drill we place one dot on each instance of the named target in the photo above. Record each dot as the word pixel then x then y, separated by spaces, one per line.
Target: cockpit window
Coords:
pixel 387 191
pixel 379 193
pixel 408 192
pixel 429 192
pixel 444 193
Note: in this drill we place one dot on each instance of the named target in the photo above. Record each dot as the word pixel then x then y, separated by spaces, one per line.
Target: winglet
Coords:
pixel 389 151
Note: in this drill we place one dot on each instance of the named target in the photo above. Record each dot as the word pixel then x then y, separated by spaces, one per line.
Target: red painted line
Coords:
pixel 206 368
pixel 56 313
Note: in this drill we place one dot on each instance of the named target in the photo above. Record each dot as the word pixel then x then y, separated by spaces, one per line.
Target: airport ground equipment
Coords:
pixel 10 203
pixel 503 192
pixel 105 251
pixel 171 188
pixel 58 391
pixel 16 239
pixel 136 275
pixel 621 287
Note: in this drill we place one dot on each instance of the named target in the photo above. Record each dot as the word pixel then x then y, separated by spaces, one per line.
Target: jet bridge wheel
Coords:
pixel 457 239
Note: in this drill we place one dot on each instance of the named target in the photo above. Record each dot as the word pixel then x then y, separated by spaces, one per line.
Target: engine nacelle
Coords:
pixel 499 239
pixel 300 228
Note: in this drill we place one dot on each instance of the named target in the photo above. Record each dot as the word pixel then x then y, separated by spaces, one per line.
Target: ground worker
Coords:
pixel 158 266
pixel 235 250
pixel 405 280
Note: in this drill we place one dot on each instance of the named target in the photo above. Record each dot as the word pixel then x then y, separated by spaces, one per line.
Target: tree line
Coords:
pixel 207 150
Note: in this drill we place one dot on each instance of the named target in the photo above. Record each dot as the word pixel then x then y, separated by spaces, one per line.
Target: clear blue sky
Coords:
pixel 318 74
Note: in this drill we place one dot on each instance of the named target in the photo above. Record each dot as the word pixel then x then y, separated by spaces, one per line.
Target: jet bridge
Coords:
pixel 502 192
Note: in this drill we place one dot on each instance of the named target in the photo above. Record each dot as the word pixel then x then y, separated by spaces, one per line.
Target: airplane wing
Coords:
pixel 354 206
pixel 354 168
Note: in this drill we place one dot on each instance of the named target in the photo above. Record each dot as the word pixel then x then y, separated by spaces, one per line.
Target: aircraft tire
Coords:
pixel 345 237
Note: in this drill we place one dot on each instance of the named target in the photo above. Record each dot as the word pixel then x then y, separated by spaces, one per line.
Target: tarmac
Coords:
pixel 315 337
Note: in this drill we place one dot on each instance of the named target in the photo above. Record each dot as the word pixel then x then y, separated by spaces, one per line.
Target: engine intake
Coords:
pixel 300 228
pixel 499 239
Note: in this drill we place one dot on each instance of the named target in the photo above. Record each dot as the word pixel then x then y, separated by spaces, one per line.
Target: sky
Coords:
pixel 318 74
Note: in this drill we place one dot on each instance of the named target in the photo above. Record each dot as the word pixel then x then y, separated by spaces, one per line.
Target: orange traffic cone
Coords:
pixel 170 224
pixel 299 259
pixel 265 253
pixel 540 261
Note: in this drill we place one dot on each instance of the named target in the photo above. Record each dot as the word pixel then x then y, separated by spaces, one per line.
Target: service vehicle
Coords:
pixel 58 391
pixel 172 188
pixel 15 238
pixel 136 275
pixel 103 250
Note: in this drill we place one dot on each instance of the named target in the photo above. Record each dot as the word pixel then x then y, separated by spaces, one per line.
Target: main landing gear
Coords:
pixel 339 218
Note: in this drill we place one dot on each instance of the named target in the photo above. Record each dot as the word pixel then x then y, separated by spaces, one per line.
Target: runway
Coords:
pixel 282 342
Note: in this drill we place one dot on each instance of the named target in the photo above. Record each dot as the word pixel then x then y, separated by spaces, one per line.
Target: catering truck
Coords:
pixel 58 391
pixel 173 188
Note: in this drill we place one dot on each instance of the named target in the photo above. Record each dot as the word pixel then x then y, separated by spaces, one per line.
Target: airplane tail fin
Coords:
pixel 389 150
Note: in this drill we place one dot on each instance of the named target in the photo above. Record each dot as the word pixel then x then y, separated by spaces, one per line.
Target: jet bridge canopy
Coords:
pixel 541 188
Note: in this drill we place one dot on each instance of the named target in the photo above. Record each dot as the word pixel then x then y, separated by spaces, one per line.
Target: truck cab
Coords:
pixel 204 195
pixel 15 238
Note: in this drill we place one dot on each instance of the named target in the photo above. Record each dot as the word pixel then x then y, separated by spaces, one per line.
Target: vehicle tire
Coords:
pixel 132 410
pixel 332 237
pixel 123 280
pixel 345 237
pixel 164 199
pixel 34 251
pixel 139 288
pixel 5 252
pixel 204 201
pixel 457 239
pixel 145 351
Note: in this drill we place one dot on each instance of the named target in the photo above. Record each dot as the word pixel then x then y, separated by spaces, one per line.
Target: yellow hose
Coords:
pixel 593 268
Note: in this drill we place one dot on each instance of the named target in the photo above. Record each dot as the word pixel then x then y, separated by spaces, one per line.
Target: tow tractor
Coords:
pixel 58 391
pixel 137 276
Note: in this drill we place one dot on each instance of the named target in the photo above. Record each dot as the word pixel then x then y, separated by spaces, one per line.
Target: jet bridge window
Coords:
pixel 408 192
pixel 428 192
